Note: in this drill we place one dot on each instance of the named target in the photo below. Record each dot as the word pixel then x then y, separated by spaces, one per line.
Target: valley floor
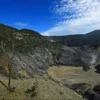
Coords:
pixel 74 75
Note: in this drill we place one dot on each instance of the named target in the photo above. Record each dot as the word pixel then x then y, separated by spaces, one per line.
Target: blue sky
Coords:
pixel 52 17
pixel 32 14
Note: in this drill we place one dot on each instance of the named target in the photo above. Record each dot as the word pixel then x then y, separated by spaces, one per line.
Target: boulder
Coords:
pixel 97 89
pixel 97 67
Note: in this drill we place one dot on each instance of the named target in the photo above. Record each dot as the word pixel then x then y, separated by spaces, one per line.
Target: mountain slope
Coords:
pixel 33 53
pixel 30 51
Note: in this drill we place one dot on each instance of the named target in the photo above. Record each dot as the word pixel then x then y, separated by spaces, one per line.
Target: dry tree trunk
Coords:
pixel 10 74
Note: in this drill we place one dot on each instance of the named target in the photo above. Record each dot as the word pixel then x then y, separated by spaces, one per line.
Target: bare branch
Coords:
pixel 4 85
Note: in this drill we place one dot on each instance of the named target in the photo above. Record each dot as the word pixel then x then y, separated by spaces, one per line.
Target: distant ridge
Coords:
pixel 91 39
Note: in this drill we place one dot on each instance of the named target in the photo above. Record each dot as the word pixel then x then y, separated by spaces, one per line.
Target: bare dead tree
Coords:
pixel 10 74
pixel 8 86
pixel 9 66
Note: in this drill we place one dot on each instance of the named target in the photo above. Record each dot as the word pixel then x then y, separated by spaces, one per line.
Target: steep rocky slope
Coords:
pixel 31 52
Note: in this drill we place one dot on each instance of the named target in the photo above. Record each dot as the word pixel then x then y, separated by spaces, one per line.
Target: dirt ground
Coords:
pixel 72 75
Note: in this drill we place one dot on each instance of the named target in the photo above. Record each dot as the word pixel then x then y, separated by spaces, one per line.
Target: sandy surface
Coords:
pixel 74 75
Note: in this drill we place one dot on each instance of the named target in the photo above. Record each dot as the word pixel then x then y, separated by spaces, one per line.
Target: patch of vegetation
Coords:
pixel 31 92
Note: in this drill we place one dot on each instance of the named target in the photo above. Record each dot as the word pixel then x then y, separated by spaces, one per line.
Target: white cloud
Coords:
pixel 77 16
pixel 21 24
